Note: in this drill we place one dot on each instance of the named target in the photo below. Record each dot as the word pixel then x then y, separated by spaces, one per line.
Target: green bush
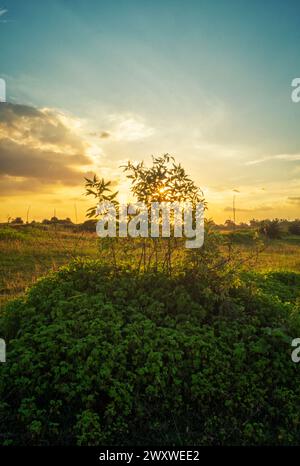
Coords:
pixel 99 358
pixel 284 285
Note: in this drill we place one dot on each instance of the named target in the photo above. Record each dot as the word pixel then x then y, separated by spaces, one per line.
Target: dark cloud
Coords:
pixel 38 148
pixel 44 126
pixel 9 113
pixel 20 160
pixel 105 135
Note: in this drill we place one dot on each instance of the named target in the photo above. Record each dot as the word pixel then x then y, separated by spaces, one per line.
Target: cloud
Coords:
pixel 37 127
pixel 23 161
pixel 129 128
pixel 284 157
pixel 39 147
pixel 105 135
pixel 10 186
pixel 294 199
pixel 3 12
pixel 253 210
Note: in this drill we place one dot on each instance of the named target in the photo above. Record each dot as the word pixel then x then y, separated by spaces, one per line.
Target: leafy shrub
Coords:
pixel 284 285
pixel 100 358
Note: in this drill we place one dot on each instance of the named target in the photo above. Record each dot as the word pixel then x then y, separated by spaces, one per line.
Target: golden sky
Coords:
pixel 91 85
pixel 46 153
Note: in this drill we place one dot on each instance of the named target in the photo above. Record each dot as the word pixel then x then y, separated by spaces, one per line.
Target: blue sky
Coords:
pixel 209 81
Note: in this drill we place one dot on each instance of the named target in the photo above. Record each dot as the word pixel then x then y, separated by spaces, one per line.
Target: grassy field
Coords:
pixel 281 255
pixel 27 253
pixel 30 253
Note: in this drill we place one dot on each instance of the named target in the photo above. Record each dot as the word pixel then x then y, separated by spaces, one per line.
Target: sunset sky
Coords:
pixel 92 84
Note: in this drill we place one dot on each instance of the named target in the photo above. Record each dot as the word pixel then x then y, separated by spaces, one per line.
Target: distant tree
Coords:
pixel 56 221
pixel 284 223
pixel 255 223
pixel 17 221
pixel 294 227
pixel 271 229
pixel 229 224
pixel 65 221
pixel 88 225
